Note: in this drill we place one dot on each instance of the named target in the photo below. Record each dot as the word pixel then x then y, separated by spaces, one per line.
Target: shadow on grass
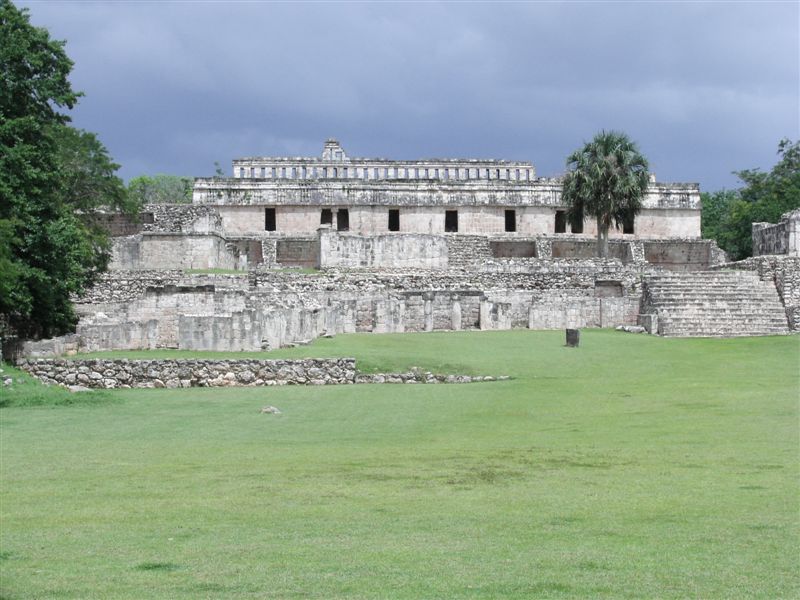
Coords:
pixel 157 566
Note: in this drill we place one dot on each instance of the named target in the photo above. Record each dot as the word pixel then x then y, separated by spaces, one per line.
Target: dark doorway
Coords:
pixel 326 218
pixel 394 219
pixel 511 220
pixel 627 224
pixel 451 221
pixel 269 219
pixel 342 220
pixel 561 221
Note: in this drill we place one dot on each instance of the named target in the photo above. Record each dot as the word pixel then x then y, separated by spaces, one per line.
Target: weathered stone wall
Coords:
pixel 107 374
pixel 382 251
pixel 466 250
pixel 270 309
pixel 572 247
pixel 680 255
pixel 784 271
pixel 414 192
pixel 298 252
pixel 373 219
pixel 517 273
pixel 65 345
pixel 173 251
pixel 181 218
pixel 779 238
pixel 183 373
pixel 558 311
pixel 124 285
pixel 670 209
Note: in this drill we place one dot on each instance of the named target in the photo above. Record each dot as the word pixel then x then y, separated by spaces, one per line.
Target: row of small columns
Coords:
pixel 367 173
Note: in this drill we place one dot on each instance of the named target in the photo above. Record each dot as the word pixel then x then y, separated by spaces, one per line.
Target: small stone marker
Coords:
pixel 270 410
pixel 573 338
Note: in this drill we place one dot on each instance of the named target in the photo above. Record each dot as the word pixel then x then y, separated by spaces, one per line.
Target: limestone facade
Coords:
pixel 292 196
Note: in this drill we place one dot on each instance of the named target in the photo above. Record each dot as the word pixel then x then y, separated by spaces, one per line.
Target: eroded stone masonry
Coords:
pixel 330 245
pixel 184 373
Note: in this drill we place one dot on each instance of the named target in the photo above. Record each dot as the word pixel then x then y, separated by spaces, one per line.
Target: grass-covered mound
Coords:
pixel 632 466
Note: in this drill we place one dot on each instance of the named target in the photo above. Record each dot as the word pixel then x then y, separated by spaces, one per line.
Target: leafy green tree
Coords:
pixel 606 179
pixel 161 189
pixel 51 179
pixel 728 215
pixel 716 209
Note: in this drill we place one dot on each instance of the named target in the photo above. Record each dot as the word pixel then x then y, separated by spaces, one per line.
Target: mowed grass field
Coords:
pixel 631 467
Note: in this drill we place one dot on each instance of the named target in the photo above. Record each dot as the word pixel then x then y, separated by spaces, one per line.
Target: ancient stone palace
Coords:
pixel 378 196
pixel 337 211
pixel 427 245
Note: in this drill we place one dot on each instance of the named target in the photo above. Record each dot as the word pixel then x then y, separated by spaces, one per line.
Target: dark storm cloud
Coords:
pixel 704 88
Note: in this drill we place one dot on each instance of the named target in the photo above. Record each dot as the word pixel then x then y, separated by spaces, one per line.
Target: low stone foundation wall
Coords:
pixel 175 373
pixel 183 373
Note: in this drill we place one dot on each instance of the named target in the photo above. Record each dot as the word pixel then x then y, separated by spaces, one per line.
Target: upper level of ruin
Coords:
pixel 337 179
pixel 334 163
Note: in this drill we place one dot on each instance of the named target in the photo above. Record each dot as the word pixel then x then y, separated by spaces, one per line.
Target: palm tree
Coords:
pixel 606 179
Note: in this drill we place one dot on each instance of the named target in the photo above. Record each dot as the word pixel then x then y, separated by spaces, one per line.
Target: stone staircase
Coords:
pixel 712 304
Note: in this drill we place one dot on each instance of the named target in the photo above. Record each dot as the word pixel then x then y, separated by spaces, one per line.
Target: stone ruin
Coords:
pixel 291 249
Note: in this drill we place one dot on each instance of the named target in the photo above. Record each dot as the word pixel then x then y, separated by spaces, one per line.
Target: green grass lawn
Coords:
pixel 631 467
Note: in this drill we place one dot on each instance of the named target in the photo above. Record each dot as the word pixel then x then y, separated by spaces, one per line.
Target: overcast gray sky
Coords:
pixel 705 88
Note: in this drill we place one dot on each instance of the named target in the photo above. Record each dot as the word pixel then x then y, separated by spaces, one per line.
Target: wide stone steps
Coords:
pixel 714 304
pixel 734 306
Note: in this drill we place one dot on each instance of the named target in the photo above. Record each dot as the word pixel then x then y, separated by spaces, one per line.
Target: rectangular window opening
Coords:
pixel 511 220
pixel 394 219
pixel 561 221
pixel 326 217
pixel 342 220
pixel 269 219
pixel 451 221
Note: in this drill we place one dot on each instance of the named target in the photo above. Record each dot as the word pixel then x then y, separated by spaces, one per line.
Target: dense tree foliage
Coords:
pixel 52 177
pixel 728 215
pixel 605 179
pixel 161 189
